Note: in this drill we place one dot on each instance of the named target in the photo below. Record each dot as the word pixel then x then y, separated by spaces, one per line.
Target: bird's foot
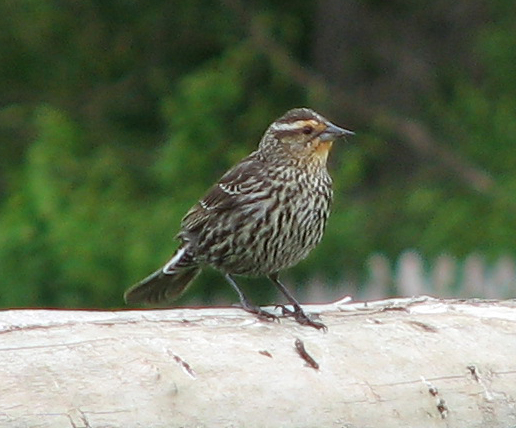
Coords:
pixel 260 313
pixel 303 319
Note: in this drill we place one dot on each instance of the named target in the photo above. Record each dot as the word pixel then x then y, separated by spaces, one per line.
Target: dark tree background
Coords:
pixel 117 115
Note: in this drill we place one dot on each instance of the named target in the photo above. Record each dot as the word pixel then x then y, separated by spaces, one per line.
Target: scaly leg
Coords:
pixel 247 305
pixel 297 313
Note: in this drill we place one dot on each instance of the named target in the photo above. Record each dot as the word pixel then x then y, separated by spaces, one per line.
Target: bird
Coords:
pixel 264 215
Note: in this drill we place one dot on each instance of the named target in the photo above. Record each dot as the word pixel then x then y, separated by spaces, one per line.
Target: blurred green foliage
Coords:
pixel 118 115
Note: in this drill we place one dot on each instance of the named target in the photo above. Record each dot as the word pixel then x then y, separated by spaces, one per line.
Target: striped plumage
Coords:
pixel 264 215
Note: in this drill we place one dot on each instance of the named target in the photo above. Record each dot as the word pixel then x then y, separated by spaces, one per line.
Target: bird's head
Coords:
pixel 302 135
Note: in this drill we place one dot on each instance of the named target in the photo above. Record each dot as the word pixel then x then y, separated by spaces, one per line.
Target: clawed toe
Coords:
pixel 301 317
pixel 267 315
pixel 260 313
pixel 305 320
pixel 285 311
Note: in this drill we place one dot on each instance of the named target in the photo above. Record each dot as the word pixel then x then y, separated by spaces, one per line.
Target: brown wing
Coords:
pixel 230 191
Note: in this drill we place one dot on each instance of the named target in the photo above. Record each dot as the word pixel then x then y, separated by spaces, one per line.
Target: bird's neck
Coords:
pixel 313 161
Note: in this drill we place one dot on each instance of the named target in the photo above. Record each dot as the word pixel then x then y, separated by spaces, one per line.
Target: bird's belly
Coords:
pixel 264 239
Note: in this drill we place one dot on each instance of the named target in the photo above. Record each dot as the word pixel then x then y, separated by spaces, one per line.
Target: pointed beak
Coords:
pixel 332 132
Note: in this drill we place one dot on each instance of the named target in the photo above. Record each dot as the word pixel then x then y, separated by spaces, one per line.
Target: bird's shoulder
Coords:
pixel 242 179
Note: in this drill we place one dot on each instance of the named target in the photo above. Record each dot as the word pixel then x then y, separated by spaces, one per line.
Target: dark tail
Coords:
pixel 166 284
pixel 160 288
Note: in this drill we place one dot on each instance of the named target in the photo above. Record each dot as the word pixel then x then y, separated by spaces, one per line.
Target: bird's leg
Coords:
pixel 247 305
pixel 297 313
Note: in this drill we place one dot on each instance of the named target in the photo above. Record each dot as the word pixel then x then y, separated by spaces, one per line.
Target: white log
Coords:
pixel 396 363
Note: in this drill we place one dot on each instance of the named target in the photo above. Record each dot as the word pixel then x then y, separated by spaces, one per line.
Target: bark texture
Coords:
pixel 395 363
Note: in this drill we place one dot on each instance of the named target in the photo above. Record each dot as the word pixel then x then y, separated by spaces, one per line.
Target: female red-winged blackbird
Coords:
pixel 264 215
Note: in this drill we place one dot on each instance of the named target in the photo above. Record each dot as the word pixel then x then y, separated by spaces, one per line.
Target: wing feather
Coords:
pixel 230 191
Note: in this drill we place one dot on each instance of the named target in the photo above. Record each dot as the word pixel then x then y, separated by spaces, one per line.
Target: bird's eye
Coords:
pixel 307 130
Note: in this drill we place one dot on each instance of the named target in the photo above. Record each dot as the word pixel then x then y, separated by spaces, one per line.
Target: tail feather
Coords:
pixel 160 287
pixel 166 284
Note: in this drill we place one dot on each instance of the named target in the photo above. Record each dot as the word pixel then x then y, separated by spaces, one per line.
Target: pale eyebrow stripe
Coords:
pixel 298 124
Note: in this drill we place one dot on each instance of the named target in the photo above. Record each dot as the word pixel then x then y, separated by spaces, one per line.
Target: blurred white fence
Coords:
pixel 411 275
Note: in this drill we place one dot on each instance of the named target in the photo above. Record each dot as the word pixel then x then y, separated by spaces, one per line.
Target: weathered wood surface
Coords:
pixel 395 363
